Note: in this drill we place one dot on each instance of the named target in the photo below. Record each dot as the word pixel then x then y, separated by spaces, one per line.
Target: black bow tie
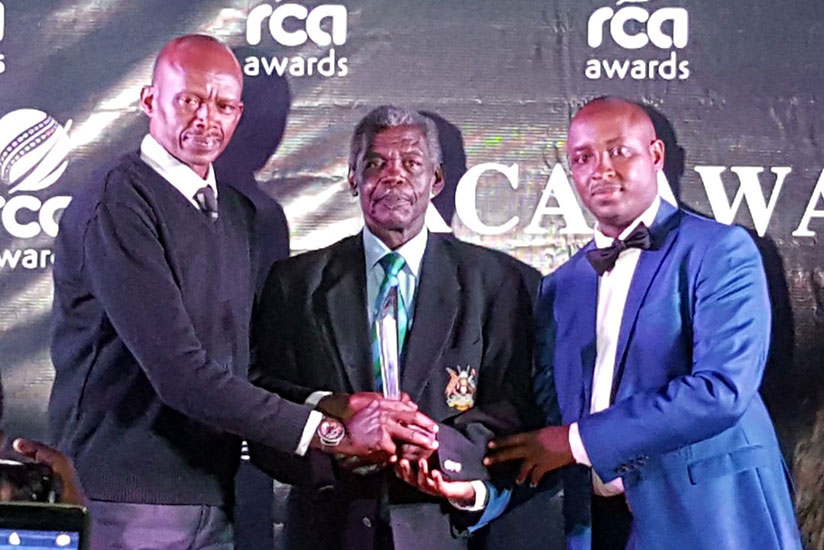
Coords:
pixel 603 259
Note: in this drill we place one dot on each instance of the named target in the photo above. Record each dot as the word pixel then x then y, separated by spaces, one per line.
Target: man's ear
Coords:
pixel 437 185
pixel 147 97
pixel 353 185
pixel 657 150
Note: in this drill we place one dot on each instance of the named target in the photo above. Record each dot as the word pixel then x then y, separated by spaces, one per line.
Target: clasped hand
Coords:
pixel 386 431
pixel 375 426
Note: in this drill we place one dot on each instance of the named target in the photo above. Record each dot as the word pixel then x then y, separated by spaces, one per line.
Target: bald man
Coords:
pixel 154 278
pixel 653 339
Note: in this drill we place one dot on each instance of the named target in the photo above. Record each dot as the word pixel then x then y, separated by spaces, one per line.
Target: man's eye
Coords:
pixel 189 101
pixel 227 108
pixel 619 151
pixel 582 158
pixel 412 163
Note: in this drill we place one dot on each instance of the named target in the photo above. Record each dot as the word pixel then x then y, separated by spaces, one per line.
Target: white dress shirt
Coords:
pixel 188 182
pixel 613 287
pixel 182 177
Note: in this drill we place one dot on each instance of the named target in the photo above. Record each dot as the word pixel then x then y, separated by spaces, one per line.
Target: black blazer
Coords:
pixel 472 313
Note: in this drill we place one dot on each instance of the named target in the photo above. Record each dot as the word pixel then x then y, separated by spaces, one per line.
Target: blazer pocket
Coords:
pixel 735 462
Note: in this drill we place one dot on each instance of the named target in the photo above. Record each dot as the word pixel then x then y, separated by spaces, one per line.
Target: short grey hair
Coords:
pixel 389 116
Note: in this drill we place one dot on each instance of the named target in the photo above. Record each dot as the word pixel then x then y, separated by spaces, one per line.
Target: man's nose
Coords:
pixel 393 167
pixel 605 166
pixel 204 112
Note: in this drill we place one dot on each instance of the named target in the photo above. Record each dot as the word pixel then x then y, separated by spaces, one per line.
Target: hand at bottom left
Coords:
pixel 60 464
pixel 432 482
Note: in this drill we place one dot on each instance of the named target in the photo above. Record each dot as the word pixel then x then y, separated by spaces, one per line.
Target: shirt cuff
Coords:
pixel 576 444
pixel 315 397
pixel 480 498
pixel 309 429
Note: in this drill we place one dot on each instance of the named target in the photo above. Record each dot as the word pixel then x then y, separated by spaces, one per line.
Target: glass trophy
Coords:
pixel 387 330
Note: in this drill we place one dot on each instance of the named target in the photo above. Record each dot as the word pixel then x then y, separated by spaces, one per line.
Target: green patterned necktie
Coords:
pixel 392 264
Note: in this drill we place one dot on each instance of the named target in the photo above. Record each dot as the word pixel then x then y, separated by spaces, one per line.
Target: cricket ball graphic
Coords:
pixel 33 150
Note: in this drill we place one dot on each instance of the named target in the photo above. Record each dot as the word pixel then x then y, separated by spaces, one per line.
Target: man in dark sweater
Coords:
pixel 154 284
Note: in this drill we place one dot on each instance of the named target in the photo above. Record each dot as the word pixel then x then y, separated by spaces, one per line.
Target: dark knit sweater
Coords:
pixel 151 343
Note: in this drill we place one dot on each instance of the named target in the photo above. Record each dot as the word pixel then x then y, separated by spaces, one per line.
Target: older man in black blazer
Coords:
pixel 466 360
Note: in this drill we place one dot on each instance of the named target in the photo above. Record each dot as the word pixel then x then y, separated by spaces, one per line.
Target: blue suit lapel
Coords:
pixel 649 264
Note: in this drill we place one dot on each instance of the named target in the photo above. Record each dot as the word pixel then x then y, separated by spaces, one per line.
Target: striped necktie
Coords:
pixel 392 264
pixel 207 202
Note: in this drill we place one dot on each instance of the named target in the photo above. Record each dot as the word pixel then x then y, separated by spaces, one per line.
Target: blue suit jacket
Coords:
pixel 687 431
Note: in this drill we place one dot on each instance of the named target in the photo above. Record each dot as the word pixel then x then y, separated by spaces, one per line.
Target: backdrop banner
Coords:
pixel 733 87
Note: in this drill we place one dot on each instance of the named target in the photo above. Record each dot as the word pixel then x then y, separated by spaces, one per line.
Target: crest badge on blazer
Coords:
pixel 461 388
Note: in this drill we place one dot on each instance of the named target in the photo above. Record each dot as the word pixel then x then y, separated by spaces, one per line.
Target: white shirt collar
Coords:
pixel 411 251
pixel 648 217
pixel 182 178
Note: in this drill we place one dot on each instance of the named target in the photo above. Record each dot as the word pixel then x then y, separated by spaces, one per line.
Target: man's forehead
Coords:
pixel 610 124
pixel 407 137
pixel 179 75
pixel 190 64
pixel 198 56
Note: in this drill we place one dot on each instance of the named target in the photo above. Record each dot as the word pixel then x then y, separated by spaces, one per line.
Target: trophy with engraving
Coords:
pixel 386 327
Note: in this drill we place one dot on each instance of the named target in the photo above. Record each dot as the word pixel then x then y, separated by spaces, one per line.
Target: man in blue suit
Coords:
pixel 652 340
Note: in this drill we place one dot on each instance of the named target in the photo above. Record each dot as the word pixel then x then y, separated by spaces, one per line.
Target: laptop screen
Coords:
pixel 30 539
pixel 37 526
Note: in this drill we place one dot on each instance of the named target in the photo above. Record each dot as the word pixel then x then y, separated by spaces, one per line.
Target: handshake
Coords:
pixel 375 432
pixel 374 429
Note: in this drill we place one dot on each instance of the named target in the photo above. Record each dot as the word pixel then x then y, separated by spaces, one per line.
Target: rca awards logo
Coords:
pixel 292 25
pixel 633 28
pixel 33 155
pixel 2 34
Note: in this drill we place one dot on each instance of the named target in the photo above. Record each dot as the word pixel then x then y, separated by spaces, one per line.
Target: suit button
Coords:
pixel 366 522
